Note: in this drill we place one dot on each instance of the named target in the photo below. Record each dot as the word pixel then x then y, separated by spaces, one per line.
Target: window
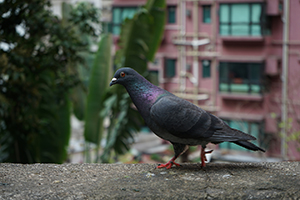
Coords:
pixel 252 128
pixel 205 68
pixel 171 14
pixel 243 19
pixel 119 15
pixel 206 14
pixel 241 77
pixel 170 67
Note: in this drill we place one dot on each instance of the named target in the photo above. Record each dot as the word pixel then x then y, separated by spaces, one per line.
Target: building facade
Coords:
pixel 238 59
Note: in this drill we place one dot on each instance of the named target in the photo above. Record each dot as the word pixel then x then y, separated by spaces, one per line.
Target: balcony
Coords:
pixel 241 80
pixel 243 22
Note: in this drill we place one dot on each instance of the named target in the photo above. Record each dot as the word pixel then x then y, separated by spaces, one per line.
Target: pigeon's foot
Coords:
pixel 169 164
pixel 203 157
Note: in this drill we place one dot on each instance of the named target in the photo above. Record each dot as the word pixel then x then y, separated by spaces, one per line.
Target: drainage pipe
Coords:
pixel 285 63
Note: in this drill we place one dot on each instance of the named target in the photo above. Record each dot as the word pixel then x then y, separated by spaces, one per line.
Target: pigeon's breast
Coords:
pixel 144 97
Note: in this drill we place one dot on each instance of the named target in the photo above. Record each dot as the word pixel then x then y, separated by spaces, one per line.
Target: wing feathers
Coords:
pixel 180 118
pixel 185 120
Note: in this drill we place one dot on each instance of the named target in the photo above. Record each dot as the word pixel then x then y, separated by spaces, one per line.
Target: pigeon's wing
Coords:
pixel 182 118
pixel 185 120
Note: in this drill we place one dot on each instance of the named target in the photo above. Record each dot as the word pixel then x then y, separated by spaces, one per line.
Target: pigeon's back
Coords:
pixel 186 121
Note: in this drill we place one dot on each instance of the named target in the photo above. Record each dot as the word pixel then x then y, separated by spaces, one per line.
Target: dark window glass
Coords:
pixel 206 14
pixel 171 14
pixel 170 67
pixel 205 68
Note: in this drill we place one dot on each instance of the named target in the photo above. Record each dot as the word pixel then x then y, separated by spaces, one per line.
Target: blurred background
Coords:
pixel 238 59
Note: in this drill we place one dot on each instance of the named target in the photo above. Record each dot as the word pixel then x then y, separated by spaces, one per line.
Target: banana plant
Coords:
pixel 98 84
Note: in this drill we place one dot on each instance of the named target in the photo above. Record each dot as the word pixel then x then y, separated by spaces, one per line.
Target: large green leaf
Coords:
pixel 64 128
pixel 133 43
pixel 79 93
pixel 156 9
pixel 99 82
pixel 78 97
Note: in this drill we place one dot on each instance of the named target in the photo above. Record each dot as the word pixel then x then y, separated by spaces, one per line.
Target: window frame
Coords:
pixel 263 22
pixel 233 85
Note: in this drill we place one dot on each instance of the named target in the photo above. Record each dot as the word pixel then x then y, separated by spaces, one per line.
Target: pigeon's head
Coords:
pixel 123 76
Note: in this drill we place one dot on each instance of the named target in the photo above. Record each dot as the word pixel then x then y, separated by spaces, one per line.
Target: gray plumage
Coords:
pixel 175 119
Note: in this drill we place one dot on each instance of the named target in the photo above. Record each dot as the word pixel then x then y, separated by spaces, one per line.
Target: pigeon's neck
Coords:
pixel 144 94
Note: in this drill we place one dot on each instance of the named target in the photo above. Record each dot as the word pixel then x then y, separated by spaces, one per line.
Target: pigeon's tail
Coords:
pixel 249 145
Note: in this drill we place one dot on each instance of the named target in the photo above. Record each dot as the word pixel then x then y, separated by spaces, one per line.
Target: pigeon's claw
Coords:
pixel 203 157
pixel 169 164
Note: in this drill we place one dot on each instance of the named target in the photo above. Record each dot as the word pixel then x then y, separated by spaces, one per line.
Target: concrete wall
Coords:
pixel 144 181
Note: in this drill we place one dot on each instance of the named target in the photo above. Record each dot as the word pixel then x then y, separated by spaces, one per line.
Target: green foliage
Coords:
pixel 156 157
pixel 78 97
pixel 122 127
pixel 38 56
pixel 54 144
pixel 86 17
pixel 295 136
pixel 136 49
pixel 139 47
pixel 158 19
pixel 292 137
pixel 133 44
pixel 83 19
pixel 99 82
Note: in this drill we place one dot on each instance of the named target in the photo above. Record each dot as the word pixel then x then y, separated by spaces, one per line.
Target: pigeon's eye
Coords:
pixel 122 74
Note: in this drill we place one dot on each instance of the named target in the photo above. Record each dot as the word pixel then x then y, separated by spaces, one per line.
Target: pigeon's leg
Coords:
pixel 179 149
pixel 203 157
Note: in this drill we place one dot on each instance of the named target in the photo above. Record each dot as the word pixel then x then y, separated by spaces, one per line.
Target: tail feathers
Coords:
pixel 249 145
pixel 230 135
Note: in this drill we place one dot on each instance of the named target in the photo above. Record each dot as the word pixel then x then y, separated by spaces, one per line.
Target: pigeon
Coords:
pixel 177 120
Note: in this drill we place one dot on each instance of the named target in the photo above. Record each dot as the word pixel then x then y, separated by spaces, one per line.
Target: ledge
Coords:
pixel 245 39
pixel 243 116
pixel 241 96
pixel 143 181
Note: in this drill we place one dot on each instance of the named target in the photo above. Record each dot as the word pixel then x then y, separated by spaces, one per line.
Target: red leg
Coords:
pixel 203 157
pixel 169 164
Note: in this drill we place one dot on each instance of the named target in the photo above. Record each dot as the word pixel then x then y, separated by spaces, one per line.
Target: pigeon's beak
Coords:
pixel 113 81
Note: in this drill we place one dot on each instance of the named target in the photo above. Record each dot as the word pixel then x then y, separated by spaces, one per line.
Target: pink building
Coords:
pixel 239 59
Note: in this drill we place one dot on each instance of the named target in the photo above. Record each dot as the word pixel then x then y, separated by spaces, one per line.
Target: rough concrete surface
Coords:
pixel 143 181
